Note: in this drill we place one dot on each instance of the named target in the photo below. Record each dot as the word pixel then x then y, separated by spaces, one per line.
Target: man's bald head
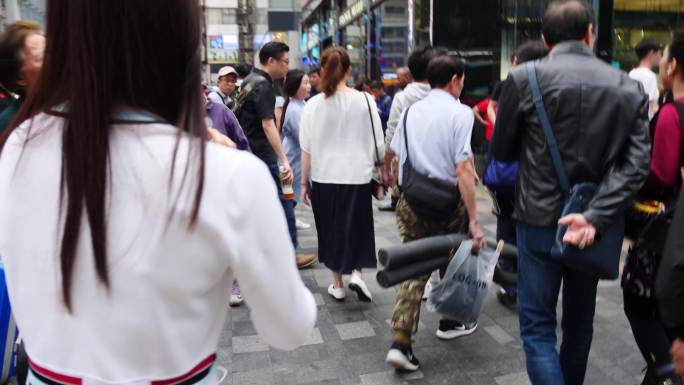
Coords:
pixel 567 20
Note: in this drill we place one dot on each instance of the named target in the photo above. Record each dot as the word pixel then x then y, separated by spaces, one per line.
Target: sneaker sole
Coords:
pixel 308 264
pixel 235 304
pixel 450 335
pixel 359 292
pixel 399 361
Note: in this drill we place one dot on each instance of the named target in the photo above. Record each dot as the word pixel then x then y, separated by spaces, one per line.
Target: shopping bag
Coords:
pixel 462 291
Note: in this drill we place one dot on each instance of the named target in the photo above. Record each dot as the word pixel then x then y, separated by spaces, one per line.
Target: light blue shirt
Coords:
pixel 439 132
pixel 293 151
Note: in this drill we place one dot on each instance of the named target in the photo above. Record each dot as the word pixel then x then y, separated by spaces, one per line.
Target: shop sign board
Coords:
pixel 351 13
pixel 222 48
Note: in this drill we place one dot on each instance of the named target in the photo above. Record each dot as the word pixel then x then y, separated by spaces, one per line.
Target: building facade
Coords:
pixel 12 10
pixel 235 30
pixel 380 34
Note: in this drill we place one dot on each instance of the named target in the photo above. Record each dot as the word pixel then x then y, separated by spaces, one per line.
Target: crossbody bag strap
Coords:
pixel 375 139
pixel 406 134
pixel 546 125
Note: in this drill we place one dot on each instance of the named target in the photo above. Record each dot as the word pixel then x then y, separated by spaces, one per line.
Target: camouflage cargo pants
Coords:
pixel 411 227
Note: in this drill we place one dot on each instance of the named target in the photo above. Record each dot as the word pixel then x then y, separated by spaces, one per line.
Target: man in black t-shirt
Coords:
pixel 257 118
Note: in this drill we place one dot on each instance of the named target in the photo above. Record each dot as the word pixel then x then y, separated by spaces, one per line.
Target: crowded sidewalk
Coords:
pixel 349 342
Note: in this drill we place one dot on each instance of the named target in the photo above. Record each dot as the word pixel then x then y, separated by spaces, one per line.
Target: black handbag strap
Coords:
pixel 406 134
pixel 378 162
pixel 546 125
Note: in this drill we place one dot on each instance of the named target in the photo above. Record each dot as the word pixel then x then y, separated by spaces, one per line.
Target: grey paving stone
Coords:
pixel 353 330
pixel 245 362
pixel 499 334
pixel 513 379
pixel 383 378
pixel 249 344
pixel 263 376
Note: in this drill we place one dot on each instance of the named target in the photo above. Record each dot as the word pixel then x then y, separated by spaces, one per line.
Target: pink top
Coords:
pixel 667 149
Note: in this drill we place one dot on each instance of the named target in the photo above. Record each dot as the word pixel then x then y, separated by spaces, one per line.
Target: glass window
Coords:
pixel 282 4
pixel 221 16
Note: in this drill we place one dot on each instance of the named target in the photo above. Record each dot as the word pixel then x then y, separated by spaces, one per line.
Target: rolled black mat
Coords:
pixel 388 278
pixel 421 250
pixel 505 278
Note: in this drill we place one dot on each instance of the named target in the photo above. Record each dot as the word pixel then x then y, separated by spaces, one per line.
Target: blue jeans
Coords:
pixel 288 205
pixel 538 287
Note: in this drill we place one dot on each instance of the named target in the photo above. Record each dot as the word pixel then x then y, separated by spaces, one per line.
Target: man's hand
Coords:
pixel 678 356
pixel 286 173
pixel 217 137
pixel 580 232
pixel 477 235
pixel 306 194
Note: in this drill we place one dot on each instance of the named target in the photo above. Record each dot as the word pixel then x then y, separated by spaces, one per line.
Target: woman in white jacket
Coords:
pixel 121 228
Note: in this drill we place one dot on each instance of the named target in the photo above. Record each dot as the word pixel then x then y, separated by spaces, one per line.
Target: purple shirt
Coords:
pixel 223 119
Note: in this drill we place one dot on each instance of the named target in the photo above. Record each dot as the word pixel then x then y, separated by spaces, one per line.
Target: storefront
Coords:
pixel 487 32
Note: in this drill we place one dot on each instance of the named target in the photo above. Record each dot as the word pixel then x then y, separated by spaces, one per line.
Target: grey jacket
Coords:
pixel 600 119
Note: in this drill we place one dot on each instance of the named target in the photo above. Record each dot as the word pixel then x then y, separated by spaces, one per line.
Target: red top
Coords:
pixel 482 107
pixel 667 149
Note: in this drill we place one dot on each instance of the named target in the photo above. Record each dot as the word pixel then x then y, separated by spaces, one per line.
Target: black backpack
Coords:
pixel 249 84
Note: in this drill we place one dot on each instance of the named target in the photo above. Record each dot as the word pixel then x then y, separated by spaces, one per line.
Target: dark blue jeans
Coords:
pixel 538 287
pixel 288 205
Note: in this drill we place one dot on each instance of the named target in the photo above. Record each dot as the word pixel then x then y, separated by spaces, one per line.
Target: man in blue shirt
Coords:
pixel 383 101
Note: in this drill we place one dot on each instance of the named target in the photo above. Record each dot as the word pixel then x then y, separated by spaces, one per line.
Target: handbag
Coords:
pixel 501 176
pixel 602 259
pixel 429 198
pixel 378 188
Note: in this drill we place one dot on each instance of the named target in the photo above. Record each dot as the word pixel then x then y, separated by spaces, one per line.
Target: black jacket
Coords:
pixel 600 119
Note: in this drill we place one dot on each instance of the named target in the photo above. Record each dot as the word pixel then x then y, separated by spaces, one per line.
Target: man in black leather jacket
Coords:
pixel 599 118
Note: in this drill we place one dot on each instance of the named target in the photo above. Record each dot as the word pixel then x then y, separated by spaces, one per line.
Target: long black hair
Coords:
pixel 101 55
pixel 293 80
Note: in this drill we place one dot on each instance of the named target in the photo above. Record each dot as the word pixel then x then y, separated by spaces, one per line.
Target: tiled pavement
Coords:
pixel 349 343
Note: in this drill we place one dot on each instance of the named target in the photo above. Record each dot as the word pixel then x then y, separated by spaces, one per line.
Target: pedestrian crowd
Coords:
pixel 136 202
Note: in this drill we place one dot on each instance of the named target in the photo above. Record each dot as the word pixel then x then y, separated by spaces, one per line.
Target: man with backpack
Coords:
pixel 255 109
pixel 587 124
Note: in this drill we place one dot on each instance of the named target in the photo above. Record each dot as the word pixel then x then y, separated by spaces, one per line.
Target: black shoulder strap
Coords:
pixel 680 109
pixel 249 84
pixel 375 139
pixel 406 134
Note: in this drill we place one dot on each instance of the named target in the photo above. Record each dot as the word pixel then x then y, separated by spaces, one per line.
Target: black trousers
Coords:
pixel 651 336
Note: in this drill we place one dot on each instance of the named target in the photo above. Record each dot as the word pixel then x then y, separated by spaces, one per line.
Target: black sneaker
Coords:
pixel 509 300
pixel 402 358
pixel 448 330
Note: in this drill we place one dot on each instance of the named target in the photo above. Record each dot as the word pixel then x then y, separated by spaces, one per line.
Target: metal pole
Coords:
pixel 411 26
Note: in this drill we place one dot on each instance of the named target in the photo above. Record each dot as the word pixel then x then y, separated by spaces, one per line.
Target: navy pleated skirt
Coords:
pixel 344 222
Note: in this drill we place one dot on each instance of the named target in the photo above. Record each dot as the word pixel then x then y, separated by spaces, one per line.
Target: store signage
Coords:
pixel 351 13
pixel 222 48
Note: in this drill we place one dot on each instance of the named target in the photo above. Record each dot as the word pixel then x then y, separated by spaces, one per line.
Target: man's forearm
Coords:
pixel 466 185
pixel 274 140
pixel 491 111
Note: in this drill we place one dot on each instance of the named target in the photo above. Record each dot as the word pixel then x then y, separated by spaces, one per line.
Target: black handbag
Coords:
pixel 378 188
pixel 602 259
pixel 429 198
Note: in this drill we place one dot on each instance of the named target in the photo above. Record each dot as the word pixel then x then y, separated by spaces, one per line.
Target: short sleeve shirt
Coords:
pixel 260 105
pixel 482 107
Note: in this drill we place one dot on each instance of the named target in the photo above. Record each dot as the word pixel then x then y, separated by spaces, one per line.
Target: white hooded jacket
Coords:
pixel 412 93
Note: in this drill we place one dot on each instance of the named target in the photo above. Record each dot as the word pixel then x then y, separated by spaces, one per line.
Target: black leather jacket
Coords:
pixel 600 119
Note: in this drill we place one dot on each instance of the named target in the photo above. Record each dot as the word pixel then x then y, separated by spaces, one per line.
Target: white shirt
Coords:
pixel 649 80
pixel 170 287
pixel 337 133
pixel 402 100
pixel 439 132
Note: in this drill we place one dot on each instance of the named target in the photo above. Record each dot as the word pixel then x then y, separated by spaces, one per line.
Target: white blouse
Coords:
pixel 170 286
pixel 337 133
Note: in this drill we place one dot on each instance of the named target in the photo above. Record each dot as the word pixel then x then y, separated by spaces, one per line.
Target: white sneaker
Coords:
pixel 448 330
pixel 427 291
pixel 337 292
pixel 356 284
pixel 301 225
pixel 236 298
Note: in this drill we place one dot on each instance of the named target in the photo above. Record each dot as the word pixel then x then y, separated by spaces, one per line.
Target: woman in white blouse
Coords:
pixel 121 229
pixel 340 132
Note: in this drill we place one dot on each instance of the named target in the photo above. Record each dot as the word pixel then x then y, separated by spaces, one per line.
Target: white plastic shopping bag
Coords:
pixel 462 291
